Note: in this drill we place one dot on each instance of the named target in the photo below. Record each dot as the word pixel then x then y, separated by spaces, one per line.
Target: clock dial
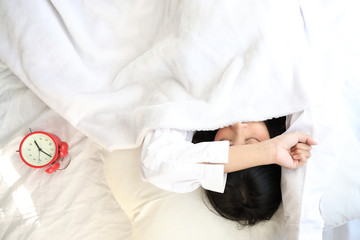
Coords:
pixel 38 149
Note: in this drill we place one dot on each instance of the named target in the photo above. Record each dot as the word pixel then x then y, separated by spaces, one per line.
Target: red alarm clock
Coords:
pixel 42 149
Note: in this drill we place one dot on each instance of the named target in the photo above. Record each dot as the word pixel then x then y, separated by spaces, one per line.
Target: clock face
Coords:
pixel 38 149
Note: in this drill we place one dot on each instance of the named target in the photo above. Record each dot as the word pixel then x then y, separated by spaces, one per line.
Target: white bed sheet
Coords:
pixel 72 204
pixel 349 231
pixel 75 203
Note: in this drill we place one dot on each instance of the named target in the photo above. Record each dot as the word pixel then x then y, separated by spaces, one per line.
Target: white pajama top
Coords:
pixel 171 162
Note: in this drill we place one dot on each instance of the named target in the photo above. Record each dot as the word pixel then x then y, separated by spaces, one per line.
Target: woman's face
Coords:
pixel 243 133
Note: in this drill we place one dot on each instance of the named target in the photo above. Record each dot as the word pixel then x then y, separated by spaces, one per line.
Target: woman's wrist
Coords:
pixel 272 151
pixel 267 152
pixel 251 155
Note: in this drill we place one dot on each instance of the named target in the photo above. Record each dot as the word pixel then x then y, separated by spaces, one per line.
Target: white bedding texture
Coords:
pixel 75 203
pixel 100 75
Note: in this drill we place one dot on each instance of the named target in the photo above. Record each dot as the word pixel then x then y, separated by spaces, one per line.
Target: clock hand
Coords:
pixel 37 145
pixel 40 150
pixel 45 152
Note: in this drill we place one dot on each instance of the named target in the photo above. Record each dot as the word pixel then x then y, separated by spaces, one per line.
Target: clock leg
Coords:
pixel 53 168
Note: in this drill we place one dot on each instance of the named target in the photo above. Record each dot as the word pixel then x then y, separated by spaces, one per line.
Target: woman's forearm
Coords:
pixel 290 150
pixel 251 155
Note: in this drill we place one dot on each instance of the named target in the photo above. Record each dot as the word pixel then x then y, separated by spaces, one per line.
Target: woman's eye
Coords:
pixel 251 141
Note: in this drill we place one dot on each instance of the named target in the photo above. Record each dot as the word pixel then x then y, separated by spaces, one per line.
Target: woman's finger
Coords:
pixel 304 138
pixel 300 154
pixel 301 151
pixel 299 162
pixel 302 146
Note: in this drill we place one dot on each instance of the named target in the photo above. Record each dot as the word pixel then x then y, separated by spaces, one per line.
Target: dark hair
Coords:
pixel 251 195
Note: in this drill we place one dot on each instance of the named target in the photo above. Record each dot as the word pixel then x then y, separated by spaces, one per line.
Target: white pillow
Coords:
pixel 156 214
pixel 324 193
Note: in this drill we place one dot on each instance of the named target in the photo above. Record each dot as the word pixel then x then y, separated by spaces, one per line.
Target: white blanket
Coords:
pixel 117 69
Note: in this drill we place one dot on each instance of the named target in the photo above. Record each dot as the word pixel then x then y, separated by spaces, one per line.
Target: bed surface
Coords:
pixel 57 60
pixel 75 203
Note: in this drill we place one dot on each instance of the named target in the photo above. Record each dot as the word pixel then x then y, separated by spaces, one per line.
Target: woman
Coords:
pixel 239 152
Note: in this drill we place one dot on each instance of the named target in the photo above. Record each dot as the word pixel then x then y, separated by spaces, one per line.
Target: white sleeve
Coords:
pixel 171 162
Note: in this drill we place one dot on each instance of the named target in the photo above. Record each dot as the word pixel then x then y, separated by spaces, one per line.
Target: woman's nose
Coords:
pixel 239 130
pixel 239 126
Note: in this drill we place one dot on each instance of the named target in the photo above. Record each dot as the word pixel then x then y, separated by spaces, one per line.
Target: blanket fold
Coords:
pixel 118 69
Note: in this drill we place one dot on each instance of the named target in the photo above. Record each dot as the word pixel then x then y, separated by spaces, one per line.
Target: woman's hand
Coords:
pixel 292 150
